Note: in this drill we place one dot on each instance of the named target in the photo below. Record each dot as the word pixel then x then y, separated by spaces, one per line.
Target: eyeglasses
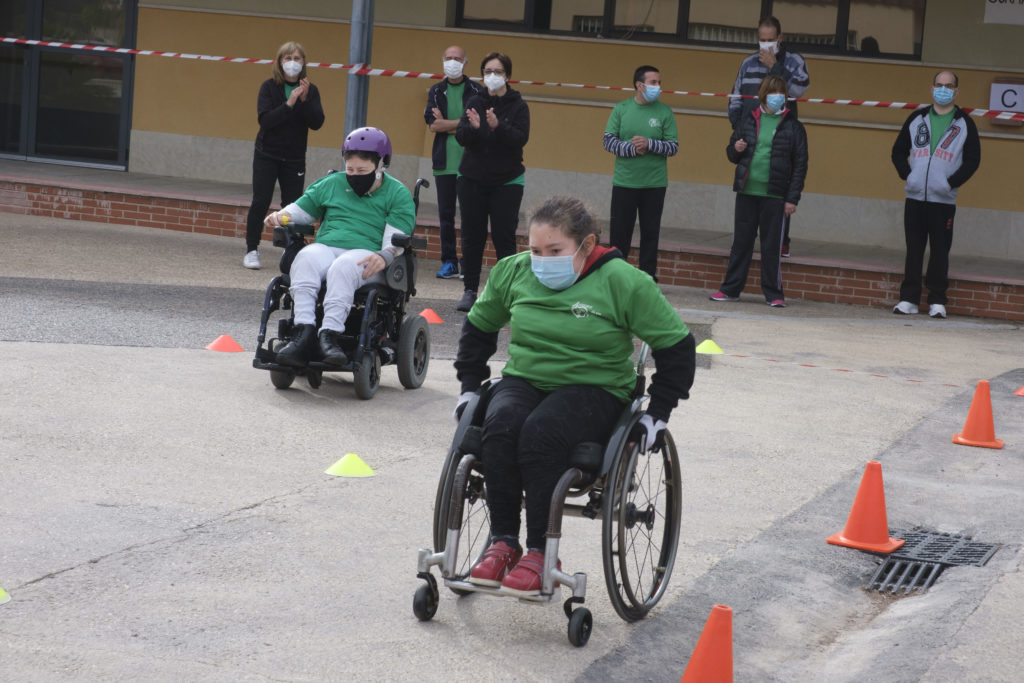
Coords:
pixel 496 72
pixel 947 86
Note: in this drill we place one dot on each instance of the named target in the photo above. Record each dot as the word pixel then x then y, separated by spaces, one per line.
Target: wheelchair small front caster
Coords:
pixel 424 603
pixel 581 623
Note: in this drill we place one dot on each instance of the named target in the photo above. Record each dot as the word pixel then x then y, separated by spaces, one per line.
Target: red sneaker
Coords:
pixel 495 564
pixel 525 579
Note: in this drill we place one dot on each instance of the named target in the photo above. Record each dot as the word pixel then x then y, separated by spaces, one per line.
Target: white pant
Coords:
pixel 344 277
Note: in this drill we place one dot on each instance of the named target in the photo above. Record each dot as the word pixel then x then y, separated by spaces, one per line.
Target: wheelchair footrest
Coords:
pixel 498 592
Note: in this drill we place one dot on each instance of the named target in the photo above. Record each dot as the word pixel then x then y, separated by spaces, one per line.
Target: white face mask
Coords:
pixel 291 69
pixel 494 82
pixel 452 68
pixel 770 45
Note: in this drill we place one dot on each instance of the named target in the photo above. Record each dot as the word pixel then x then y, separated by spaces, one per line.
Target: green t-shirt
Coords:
pixel 288 87
pixel 654 121
pixel 939 123
pixel 453 150
pixel 349 221
pixel 582 334
pixel 760 164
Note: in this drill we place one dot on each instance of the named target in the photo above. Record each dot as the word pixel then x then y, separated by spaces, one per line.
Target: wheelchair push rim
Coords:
pixel 475 522
pixel 640 527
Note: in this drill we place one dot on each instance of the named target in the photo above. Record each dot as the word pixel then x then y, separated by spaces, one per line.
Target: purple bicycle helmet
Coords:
pixel 369 139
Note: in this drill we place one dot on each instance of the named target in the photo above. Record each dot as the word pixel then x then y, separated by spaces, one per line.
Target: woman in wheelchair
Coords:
pixel 358 213
pixel 573 308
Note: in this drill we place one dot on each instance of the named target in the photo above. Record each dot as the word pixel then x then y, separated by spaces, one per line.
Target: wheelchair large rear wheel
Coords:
pixel 475 527
pixel 640 527
pixel 413 351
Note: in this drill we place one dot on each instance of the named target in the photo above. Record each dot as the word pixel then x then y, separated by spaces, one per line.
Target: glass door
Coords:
pixel 63 104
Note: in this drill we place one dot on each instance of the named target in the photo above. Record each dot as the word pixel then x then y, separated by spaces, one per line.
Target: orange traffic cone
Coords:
pixel 224 343
pixel 711 661
pixel 867 527
pixel 979 430
pixel 431 316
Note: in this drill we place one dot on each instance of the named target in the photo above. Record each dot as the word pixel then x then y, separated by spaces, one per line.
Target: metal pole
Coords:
pixel 359 50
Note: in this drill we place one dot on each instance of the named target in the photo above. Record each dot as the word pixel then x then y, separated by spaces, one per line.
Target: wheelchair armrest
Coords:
pixel 286 234
pixel 403 241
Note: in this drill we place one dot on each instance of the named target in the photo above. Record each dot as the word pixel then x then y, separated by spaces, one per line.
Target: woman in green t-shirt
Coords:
pixel 573 308
pixel 769 148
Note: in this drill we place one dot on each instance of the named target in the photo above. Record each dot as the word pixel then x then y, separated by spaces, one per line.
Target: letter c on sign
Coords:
pixel 1009 91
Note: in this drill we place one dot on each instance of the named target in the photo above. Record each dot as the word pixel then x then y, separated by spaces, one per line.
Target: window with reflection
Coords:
pixel 807 22
pixel 724 22
pixel 890 27
pixel 79 106
pixel 12 59
pixel 887 28
pixel 646 16
pixel 494 10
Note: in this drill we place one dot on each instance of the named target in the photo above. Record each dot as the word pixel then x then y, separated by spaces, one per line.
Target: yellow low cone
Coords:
pixel 4 597
pixel 709 347
pixel 350 466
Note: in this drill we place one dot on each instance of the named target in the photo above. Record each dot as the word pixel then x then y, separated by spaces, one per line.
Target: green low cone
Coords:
pixel 708 346
pixel 4 597
pixel 350 466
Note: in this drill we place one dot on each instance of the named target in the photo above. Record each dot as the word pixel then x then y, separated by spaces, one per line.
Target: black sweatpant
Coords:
pixel 527 437
pixel 927 224
pixel 446 196
pixel 755 213
pixel 629 204
pixel 478 203
pixel 289 173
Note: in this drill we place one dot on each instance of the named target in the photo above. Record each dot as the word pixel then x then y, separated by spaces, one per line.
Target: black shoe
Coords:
pixel 467 301
pixel 296 352
pixel 330 348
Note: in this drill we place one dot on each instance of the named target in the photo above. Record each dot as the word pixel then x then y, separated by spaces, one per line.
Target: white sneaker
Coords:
pixel 252 260
pixel 905 308
pixel 937 311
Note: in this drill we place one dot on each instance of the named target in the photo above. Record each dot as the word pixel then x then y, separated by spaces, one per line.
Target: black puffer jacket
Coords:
pixel 494 157
pixel 788 166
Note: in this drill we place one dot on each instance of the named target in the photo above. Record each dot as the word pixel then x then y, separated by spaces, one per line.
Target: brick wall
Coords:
pixel 843 285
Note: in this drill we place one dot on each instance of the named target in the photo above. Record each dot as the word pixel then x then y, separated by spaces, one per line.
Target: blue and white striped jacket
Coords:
pixel 790 66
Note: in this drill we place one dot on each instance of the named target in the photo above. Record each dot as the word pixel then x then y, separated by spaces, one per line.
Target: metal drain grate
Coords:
pixel 919 561
pixel 897 575
pixel 946 549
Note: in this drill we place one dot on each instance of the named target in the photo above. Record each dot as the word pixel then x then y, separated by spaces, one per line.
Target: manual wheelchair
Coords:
pixel 636 495
pixel 377 331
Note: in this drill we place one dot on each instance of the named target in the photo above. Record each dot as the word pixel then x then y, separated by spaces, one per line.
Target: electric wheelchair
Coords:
pixel 377 332
pixel 636 495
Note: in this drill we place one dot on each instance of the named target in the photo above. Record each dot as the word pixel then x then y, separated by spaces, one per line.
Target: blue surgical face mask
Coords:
pixel 775 102
pixel 942 96
pixel 555 272
pixel 651 92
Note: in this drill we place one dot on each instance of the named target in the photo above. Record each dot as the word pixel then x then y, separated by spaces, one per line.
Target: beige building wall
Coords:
pixel 198 118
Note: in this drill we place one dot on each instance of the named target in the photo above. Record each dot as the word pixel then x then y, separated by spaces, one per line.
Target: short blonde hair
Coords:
pixel 286 49
pixel 771 84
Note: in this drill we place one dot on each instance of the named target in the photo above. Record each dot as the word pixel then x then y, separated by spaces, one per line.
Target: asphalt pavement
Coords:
pixel 167 516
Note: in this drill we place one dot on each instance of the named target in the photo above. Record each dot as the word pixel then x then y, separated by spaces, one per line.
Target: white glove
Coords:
pixel 461 405
pixel 653 432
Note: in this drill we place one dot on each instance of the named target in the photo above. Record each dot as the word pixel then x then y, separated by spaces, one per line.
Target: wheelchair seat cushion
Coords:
pixel 588 457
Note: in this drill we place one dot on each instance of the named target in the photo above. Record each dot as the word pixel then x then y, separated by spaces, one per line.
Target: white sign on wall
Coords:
pixel 1004 12
pixel 1006 97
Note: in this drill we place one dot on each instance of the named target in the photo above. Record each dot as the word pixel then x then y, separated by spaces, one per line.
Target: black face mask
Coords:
pixel 361 184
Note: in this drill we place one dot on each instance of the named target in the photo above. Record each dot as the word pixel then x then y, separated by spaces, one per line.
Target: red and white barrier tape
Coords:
pixel 363 70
